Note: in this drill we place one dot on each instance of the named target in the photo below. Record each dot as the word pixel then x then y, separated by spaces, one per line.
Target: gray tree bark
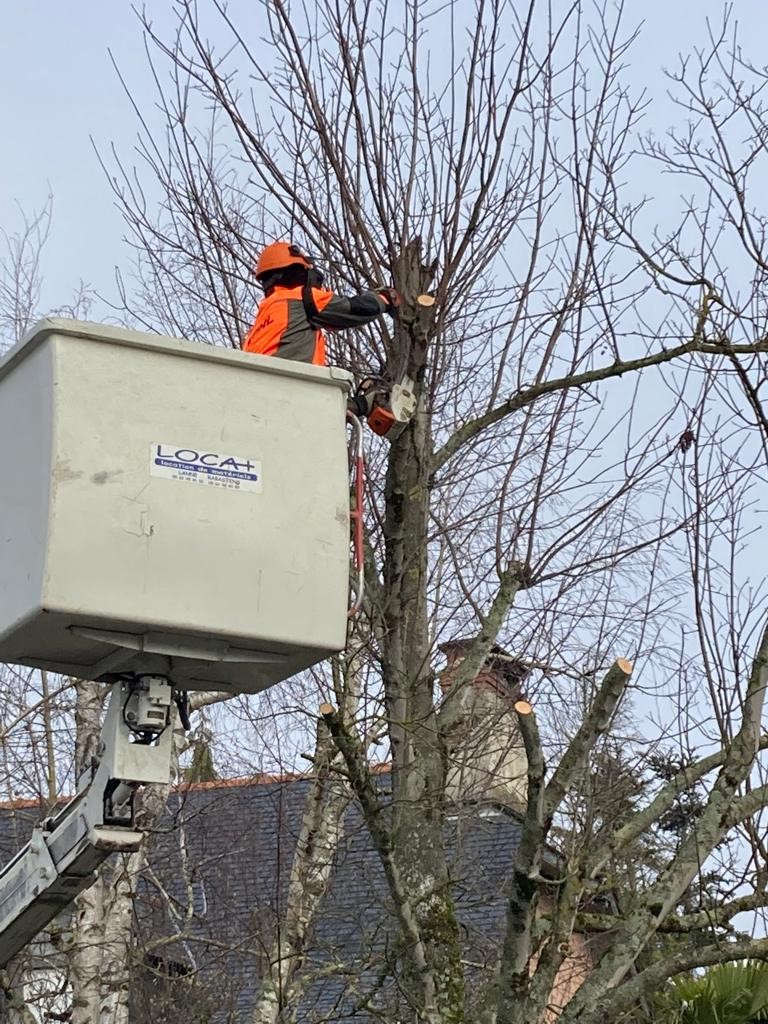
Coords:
pixel 85 953
pixel 322 827
pixel 14 1007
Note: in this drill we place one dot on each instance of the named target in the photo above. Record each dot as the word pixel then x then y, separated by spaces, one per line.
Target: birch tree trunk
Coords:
pixel 13 1005
pixel 85 953
pixel 115 977
pixel 322 827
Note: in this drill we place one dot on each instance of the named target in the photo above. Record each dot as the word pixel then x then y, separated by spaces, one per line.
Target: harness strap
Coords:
pixel 310 306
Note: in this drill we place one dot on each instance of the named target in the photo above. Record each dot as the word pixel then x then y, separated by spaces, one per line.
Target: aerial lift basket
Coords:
pixel 171 508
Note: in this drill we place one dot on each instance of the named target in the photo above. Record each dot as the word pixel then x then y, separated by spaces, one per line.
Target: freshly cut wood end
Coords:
pixel 425 300
pixel 326 709
pixel 624 665
pixel 522 707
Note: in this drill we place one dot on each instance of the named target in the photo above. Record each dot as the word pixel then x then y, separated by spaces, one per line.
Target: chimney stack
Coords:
pixel 486 758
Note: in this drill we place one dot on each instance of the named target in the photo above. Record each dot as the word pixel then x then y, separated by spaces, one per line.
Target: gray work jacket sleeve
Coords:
pixel 351 311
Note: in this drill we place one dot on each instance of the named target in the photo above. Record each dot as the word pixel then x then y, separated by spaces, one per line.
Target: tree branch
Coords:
pixel 513 972
pixel 716 916
pixel 595 723
pixel 710 826
pixel 322 826
pixel 682 781
pixel 511 582
pixel 360 780
pixel 526 396
pixel 624 998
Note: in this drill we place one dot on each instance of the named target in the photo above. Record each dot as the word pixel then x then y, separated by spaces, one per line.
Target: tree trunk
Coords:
pixel 434 985
pixel 13 1006
pixel 322 827
pixel 85 952
pixel 116 954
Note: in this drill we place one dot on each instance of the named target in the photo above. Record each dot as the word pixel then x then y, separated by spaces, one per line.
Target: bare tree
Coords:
pixel 20 273
pixel 21 277
pixel 582 473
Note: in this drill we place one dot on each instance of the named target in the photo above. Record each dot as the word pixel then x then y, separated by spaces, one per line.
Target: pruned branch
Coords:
pixel 513 970
pixel 596 722
pixel 512 580
pixel 710 826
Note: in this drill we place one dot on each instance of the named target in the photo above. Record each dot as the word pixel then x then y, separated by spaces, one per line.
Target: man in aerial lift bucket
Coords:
pixel 295 309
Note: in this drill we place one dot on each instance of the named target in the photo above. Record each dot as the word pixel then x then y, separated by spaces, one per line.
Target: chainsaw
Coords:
pixel 385 405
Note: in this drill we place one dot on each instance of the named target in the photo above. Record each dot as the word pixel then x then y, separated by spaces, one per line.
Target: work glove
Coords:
pixel 392 298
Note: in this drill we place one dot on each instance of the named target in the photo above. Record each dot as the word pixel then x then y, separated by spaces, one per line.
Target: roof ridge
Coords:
pixel 182 786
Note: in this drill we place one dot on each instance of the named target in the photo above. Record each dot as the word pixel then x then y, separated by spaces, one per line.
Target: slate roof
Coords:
pixel 222 857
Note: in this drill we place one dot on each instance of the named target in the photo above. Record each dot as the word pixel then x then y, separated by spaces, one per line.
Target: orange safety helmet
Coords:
pixel 279 255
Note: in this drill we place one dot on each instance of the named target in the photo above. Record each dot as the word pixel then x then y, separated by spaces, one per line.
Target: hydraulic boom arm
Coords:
pixel 59 860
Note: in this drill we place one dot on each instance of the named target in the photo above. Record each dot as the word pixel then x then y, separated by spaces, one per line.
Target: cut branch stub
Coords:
pixel 595 723
pixel 522 707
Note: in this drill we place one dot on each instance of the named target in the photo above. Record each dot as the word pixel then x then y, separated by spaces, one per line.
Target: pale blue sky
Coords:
pixel 59 87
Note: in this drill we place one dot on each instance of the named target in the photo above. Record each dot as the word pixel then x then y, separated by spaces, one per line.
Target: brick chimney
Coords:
pixel 486 759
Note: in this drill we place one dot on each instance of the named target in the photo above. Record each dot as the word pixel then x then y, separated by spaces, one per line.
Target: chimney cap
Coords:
pixel 511 668
pixel 462 642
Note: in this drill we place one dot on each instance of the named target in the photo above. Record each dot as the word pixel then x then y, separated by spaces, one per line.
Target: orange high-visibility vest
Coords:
pixel 281 327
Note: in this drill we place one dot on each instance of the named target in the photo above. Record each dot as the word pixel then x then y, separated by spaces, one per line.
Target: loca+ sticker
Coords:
pixel 200 466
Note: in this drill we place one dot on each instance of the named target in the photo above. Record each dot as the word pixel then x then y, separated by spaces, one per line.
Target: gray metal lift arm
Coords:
pixel 60 859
